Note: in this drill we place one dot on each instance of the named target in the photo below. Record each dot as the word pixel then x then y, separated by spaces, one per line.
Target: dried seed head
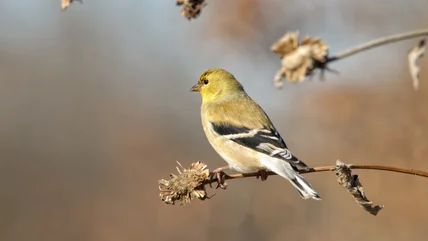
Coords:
pixel 66 3
pixel 191 8
pixel 298 61
pixel 287 44
pixel 188 185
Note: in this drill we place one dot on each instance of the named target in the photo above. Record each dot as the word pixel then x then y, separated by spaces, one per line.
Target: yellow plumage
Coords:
pixel 241 132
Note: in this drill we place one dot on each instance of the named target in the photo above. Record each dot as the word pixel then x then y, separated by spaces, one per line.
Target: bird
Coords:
pixel 240 131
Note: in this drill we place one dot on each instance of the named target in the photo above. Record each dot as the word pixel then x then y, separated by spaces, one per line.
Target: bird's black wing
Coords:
pixel 265 140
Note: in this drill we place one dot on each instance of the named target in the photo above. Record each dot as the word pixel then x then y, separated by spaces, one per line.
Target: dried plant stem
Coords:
pixel 190 183
pixel 345 178
pixel 330 168
pixel 378 42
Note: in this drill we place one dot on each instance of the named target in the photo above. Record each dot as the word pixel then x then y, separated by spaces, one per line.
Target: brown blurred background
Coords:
pixel 95 108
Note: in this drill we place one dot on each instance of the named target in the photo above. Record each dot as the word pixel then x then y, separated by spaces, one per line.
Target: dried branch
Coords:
pixel 300 61
pixel 379 42
pixel 190 183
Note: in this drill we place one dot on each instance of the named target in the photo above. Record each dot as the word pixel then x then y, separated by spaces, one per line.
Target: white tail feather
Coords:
pixel 284 169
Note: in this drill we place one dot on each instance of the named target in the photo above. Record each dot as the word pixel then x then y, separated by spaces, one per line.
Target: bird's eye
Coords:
pixel 206 81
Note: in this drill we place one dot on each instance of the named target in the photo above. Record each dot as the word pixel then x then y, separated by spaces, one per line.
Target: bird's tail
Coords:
pixel 285 170
pixel 304 188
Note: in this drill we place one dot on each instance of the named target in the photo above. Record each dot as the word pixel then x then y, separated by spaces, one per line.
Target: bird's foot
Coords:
pixel 220 176
pixel 263 175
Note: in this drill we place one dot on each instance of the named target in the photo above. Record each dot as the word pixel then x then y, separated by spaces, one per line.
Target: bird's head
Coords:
pixel 217 84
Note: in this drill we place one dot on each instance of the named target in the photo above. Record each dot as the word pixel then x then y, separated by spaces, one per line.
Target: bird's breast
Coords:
pixel 239 157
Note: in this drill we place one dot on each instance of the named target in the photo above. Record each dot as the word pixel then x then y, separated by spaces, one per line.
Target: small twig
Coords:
pixel 190 183
pixel 330 168
pixel 344 177
pixel 300 60
pixel 378 42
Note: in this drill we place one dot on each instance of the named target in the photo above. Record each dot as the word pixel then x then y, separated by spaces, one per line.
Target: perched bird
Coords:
pixel 242 134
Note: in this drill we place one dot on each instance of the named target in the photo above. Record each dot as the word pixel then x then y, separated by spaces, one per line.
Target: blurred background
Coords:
pixel 95 109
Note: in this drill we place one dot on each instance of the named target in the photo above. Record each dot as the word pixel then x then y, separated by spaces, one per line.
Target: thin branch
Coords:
pixel 345 178
pixel 378 42
pixel 190 183
pixel 330 168
pixel 300 60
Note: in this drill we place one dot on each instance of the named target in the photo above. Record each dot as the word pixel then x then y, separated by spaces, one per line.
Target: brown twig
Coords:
pixel 378 42
pixel 330 168
pixel 345 178
pixel 190 183
pixel 300 60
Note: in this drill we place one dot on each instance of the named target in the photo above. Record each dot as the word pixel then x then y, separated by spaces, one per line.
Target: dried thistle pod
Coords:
pixel 188 185
pixel 298 60
pixel 191 8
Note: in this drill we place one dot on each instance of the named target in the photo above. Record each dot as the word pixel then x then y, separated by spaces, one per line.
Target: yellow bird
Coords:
pixel 242 134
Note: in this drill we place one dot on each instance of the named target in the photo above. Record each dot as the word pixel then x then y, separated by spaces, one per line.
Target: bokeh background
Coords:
pixel 95 108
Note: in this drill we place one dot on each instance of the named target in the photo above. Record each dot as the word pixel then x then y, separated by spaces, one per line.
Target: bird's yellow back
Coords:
pixel 241 112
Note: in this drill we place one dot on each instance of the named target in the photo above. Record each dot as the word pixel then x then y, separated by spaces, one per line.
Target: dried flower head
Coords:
pixel 191 8
pixel 298 61
pixel 66 3
pixel 188 185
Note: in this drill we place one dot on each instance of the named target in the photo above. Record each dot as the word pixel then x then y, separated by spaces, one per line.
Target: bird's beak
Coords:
pixel 196 88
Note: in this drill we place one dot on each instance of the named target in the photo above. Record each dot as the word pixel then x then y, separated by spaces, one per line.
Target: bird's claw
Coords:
pixel 220 177
pixel 262 174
